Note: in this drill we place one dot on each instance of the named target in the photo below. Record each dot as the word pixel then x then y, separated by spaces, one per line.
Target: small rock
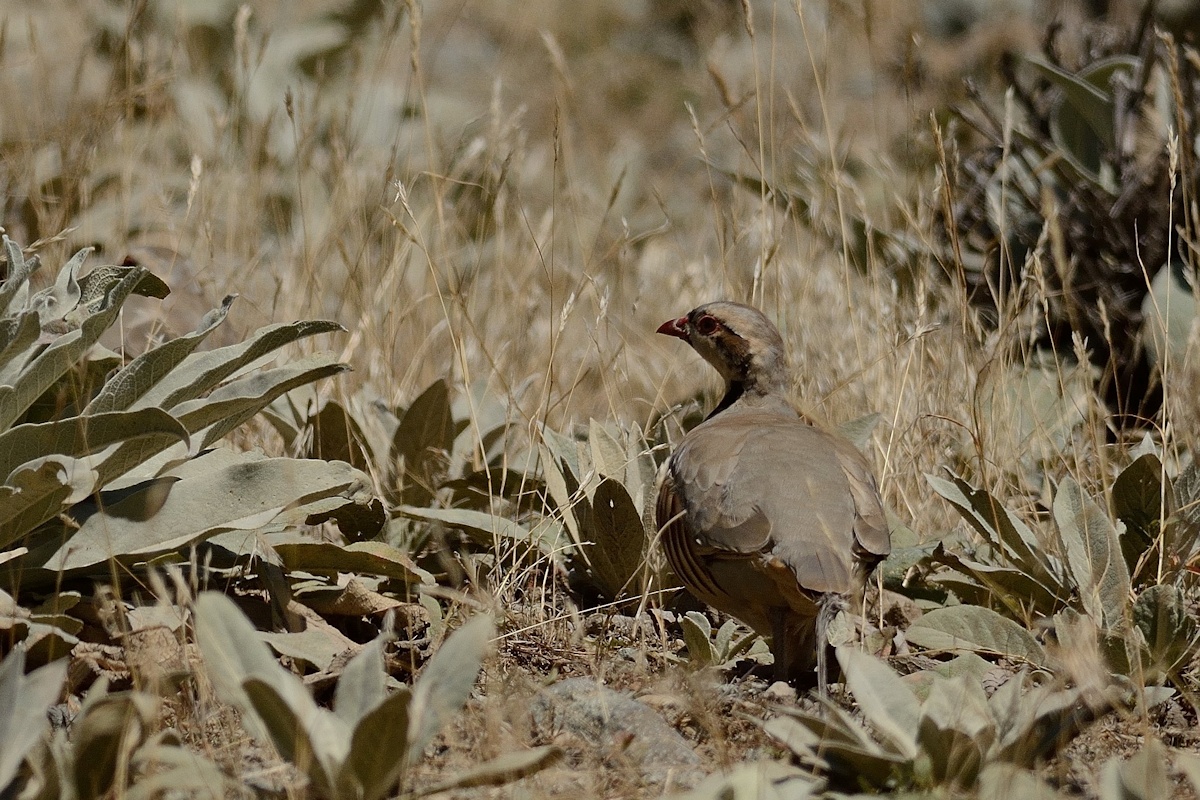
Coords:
pixel 619 725
pixel 780 692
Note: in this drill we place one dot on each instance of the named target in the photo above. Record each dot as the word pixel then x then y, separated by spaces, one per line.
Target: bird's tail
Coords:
pixel 828 606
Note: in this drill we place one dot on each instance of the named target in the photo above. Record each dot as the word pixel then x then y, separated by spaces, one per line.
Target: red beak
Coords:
pixel 675 327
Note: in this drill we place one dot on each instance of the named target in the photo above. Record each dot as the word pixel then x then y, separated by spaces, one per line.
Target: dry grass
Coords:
pixel 519 193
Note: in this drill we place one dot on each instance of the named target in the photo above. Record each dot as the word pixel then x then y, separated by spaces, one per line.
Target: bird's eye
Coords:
pixel 707 325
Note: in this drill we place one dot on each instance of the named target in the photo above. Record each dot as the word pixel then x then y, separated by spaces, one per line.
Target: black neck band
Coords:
pixel 736 390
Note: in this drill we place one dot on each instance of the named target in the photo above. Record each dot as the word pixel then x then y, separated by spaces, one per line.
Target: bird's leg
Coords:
pixel 828 606
pixel 822 659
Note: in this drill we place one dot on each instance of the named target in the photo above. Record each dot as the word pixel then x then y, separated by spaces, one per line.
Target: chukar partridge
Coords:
pixel 764 516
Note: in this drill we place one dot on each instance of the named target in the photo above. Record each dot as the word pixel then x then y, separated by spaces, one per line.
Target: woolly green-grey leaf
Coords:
pixel 498 771
pixel 237 401
pixel 556 485
pixel 23 703
pixel 200 372
pixel 315 646
pixel 835 743
pixel 1138 496
pixel 1138 493
pixel 422 443
pixel 379 748
pixel 19 343
pixel 566 451
pixel 168 770
pixel 18 272
pixel 958 703
pixel 608 455
pixel 81 435
pixel 62 354
pixel 177 510
pixel 1171 634
pixel 231 647
pixel 215 416
pixel 363 558
pixel 975 629
pixel 1169 311
pixel 1143 777
pixel 446 682
pixel 618 540
pixel 235 655
pixel 99 281
pixel 697 631
pixel 999 781
pixel 1093 554
pixel 288 732
pixel 481 526
pixel 1085 109
pixel 1189 764
pixel 56 301
pixel 105 731
pixel 39 490
pixel 1033 724
pixel 956 729
pixel 997 526
pixel 141 374
pixel 761 780
pixel 1010 585
pixel 888 704
pixel 362 685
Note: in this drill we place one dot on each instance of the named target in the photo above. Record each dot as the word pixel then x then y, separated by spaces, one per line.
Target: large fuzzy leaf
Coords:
pixel 1171 634
pixel 1033 724
pixel 1093 554
pixel 56 301
pixel 956 730
pixel 200 372
pixel 108 728
pixel 1009 585
pixel 422 444
pixel 140 375
pixel 37 491
pixel 62 354
pixel 1000 781
pixel 237 401
pixel 179 509
pixel 379 750
pixel 18 343
pixel 362 685
pixel 278 706
pixel 888 704
pixel 363 558
pixel 1000 528
pixel 211 418
pixel 835 743
pixel 167 770
pixel 23 703
pixel 617 554
pixel 1143 777
pixel 289 728
pixel 446 682
pixel 503 769
pixel 81 435
pixel 16 274
pixel 975 629
pixel 485 528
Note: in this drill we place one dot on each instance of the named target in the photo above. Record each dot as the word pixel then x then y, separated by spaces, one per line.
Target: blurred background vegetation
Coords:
pixel 975 220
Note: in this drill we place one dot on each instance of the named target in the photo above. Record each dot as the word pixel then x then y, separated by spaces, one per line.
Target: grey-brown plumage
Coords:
pixel 764 516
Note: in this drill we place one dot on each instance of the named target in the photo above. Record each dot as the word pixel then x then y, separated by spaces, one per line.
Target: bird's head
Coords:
pixel 738 340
